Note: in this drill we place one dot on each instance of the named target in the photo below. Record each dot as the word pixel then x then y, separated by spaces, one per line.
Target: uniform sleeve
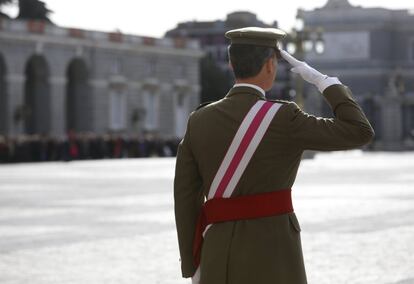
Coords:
pixel 188 198
pixel 347 130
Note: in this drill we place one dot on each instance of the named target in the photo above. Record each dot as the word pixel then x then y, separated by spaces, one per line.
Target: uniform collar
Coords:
pixel 247 88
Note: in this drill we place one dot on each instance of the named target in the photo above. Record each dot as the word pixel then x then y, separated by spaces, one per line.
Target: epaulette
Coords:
pixel 279 101
pixel 203 105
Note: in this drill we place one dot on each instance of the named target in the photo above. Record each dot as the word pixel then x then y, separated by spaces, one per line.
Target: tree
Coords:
pixel 215 82
pixel 2 3
pixel 33 10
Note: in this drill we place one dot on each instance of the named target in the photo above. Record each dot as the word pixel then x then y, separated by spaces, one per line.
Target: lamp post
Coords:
pixel 300 41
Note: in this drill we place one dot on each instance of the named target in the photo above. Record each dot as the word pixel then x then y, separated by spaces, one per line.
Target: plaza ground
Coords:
pixel 112 221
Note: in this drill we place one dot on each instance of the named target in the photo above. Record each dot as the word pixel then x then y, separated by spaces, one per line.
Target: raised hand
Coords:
pixel 308 73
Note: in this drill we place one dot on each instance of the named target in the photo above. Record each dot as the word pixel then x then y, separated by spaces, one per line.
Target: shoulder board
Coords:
pixel 279 101
pixel 203 105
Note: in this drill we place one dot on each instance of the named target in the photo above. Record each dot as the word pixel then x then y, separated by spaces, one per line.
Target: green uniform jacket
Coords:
pixel 266 250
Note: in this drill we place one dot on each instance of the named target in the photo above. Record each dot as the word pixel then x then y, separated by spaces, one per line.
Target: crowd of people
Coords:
pixel 83 146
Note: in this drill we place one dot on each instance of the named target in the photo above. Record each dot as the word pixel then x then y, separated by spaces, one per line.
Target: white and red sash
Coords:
pixel 242 148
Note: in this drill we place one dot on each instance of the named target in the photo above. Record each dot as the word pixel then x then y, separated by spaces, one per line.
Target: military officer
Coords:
pixel 256 238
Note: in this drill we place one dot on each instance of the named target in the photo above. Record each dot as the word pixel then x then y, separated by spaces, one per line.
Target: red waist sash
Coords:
pixel 218 210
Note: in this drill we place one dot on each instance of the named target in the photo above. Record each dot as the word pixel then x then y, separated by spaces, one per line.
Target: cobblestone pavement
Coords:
pixel 112 221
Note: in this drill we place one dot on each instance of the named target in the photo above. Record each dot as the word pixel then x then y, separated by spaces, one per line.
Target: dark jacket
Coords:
pixel 266 250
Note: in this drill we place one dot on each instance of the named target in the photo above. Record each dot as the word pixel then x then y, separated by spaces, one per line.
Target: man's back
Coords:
pixel 213 128
pixel 263 250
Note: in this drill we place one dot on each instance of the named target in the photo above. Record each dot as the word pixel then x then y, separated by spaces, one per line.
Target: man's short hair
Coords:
pixel 248 60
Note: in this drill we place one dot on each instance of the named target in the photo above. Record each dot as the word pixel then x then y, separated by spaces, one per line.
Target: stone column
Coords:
pixel 167 110
pixel 151 90
pixel 99 116
pixel 135 109
pixel 186 99
pixel 195 93
pixel 391 117
pixel 58 106
pixel 15 115
pixel 4 106
pixel 118 95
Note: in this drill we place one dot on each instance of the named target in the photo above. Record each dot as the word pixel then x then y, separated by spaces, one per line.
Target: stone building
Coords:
pixel 372 51
pixel 55 79
pixel 210 34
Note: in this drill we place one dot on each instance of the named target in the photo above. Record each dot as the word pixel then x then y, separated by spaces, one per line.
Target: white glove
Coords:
pixel 196 278
pixel 310 74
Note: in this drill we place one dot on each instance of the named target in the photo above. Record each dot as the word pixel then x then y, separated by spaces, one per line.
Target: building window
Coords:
pixel 151 68
pixel 117 66
pixel 118 110
pixel 181 70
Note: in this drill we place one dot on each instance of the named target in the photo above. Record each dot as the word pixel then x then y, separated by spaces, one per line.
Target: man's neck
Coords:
pixel 251 86
pixel 251 82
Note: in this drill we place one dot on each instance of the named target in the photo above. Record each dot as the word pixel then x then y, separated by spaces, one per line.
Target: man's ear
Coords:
pixel 269 65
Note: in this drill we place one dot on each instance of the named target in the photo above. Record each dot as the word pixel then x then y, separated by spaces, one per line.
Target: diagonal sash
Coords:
pixel 240 152
pixel 242 148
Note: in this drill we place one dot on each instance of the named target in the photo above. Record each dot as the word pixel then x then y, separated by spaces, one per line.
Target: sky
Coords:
pixel 155 17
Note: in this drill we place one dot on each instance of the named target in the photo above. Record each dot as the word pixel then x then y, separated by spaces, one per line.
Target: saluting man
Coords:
pixel 238 161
